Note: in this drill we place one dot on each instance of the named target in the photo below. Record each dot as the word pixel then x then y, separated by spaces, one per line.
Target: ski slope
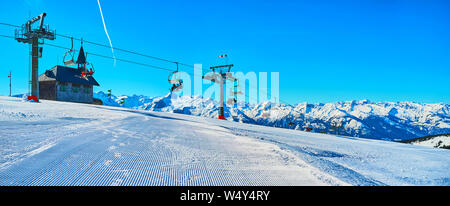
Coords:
pixel 56 143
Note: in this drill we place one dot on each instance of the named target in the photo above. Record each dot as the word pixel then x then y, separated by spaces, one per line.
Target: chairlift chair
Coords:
pixel 175 80
pixel 231 101
pixel 91 70
pixel 177 87
pixel 71 52
pixel 88 72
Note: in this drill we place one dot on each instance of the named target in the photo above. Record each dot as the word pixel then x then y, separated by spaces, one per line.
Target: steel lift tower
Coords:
pixel 220 74
pixel 26 34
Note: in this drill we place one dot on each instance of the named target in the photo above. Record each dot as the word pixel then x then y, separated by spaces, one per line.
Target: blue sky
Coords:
pixel 325 51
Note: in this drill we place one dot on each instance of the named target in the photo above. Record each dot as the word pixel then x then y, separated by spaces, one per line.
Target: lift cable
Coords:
pixel 107 57
pixel 11 25
pixel 7 36
pixel 124 60
pixel 127 51
pixel 107 46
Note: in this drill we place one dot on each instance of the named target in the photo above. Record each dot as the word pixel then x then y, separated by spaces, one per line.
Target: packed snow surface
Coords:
pixel 442 141
pixel 392 121
pixel 56 143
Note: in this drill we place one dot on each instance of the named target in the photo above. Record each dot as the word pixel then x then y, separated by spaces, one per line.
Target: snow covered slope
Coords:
pixel 56 143
pixel 386 121
pixel 437 141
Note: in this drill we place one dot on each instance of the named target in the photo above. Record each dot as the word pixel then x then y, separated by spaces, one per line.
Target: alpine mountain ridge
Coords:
pixel 392 121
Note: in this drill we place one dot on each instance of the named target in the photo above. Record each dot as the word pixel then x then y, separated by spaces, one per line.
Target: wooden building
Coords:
pixel 66 84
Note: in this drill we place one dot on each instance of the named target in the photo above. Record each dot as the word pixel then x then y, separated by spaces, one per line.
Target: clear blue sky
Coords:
pixel 325 51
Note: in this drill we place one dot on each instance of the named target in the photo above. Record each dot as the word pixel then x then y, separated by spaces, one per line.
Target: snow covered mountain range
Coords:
pixel 392 121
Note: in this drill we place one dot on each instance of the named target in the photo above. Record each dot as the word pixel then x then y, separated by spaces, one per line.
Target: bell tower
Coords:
pixel 81 61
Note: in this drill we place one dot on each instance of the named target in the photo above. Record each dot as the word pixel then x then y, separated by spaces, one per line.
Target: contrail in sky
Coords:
pixel 106 31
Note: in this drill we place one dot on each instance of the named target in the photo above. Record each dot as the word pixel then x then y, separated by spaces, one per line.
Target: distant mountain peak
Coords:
pixel 359 118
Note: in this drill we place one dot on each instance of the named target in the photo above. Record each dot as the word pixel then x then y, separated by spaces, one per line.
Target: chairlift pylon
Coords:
pixel 175 80
pixel 71 52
